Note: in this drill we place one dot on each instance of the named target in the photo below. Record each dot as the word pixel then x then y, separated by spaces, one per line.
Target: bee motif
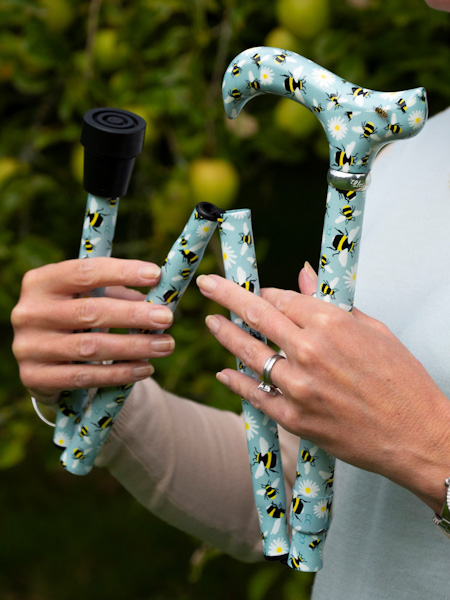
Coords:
pixel 294 85
pixel 347 214
pixel 277 512
pixel 344 158
pixel 265 459
pixel 335 99
pixel 345 244
pixel 234 95
pixel 393 128
pixel 359 95
pixel 237 68
pixel 246 239
pixel 297 560
pixel 328 290
pixel 325 264
pixel 89 245
pixel 297 506
pixel 94 217
pixel 269 490
pixel 367 131
pixel 308 457
pixel 381 112
pixel 253 83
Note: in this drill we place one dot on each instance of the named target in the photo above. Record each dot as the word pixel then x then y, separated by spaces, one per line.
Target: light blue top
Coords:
pixel 396 552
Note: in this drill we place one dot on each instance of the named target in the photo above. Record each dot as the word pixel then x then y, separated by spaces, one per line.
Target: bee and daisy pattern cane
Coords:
pixel 176 273
pixel 358 122
pixel 112 138
pixel 239 259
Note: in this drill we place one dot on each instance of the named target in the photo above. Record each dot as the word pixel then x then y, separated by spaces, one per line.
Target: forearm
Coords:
pixel 188 464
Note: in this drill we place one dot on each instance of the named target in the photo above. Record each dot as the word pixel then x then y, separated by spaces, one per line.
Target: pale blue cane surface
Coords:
pixel 176 273
pixel 96 240
pixel 358 121
pixel 239 259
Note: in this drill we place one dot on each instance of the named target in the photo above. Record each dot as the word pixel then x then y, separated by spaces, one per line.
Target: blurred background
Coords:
pixel 64 537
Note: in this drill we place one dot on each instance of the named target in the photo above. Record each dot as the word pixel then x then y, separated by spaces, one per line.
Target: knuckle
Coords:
pixel 286 300
pixel 85 274
pixel 19 348
pixel 87 312
pixel 27 373
pixel 250 353
pixel 20 316
pixel 257 313
pixel 87 345
pixel 306 353
pixel 29 279
pixel 81 378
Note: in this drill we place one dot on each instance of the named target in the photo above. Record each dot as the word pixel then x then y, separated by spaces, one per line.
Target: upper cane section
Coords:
pixel 358 121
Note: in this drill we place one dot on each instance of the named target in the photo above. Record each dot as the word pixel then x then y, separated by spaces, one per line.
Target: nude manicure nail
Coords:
pixel 206 283
pixel 143 372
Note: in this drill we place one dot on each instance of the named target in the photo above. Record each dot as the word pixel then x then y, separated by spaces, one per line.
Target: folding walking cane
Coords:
pixel 358 122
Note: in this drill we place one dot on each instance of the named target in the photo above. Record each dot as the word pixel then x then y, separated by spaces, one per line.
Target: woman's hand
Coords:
pixel 348 384
pixel 53 305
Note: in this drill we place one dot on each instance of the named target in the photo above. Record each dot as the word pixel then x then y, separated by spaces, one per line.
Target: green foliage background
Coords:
pixel 63 537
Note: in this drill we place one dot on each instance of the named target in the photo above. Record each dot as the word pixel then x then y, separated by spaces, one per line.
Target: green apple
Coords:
pixel 295 119
pixel 58 14
pixel 213 180
pixel 280 37
pixel 109 51
pixel 304 18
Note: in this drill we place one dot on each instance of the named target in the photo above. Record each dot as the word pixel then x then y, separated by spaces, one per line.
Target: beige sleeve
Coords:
pixel 188 464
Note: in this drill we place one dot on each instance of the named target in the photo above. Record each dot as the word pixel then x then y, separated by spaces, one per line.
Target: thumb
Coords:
pixel 307 280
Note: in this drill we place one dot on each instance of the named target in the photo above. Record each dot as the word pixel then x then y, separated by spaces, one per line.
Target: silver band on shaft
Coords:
pixel 266 384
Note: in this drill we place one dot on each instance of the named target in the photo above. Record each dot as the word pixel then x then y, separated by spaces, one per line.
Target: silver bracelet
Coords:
pixel 39 414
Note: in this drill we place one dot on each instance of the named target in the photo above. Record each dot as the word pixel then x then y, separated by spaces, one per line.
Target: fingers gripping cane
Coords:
pixel 112 138
pixel 177 272
pixel 358 123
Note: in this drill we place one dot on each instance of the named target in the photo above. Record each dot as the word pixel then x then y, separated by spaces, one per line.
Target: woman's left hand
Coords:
pixel 348 384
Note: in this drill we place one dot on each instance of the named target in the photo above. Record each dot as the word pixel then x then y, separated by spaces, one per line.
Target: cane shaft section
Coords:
pixel 240 266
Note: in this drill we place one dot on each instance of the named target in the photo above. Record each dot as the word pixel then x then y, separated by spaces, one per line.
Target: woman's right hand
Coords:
pixel 50 320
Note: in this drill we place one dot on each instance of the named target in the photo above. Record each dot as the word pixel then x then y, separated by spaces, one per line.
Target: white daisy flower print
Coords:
pixel 266 76
pixel 203 230
pixel 229 257
pixel 251 426
pixel 63 440
pixel 278 547
pixel 350 278
pixel 337 127
pixel 308 489
pixel 390 95
pixel 416 119
pixel 323 78
pixel 320 509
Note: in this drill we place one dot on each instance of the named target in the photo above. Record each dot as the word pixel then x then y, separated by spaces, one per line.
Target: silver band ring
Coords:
pixel 266 384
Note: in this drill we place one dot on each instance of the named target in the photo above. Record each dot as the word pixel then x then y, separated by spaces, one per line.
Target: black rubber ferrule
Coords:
pixel 112 138
pixel 209 211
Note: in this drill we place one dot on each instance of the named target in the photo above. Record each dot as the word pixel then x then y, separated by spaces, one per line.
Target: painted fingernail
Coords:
pixel 149 271
pixel 161 316
pixel 310 271
pixel 212 323
pixel 206 283
pixel 223 378
pixel 162 344
pixel 143 372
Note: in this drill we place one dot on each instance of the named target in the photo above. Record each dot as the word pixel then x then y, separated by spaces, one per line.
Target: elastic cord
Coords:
pixel 39 414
